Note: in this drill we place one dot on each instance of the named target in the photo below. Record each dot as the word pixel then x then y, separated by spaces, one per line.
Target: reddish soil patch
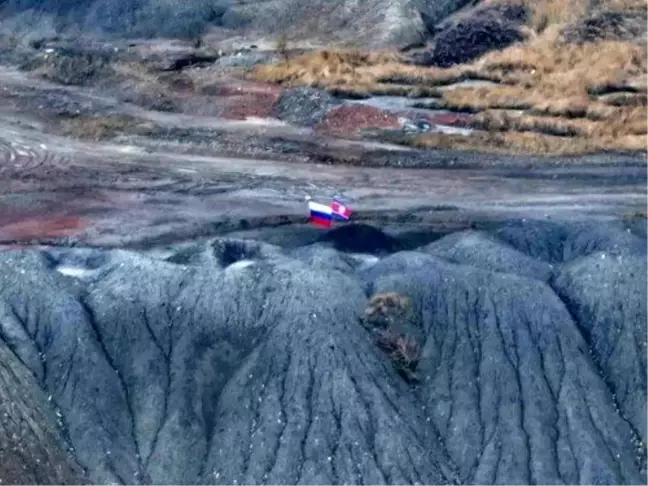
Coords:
pixel 242 99
pixel 41 227
pixel 452 119
pixel 348 119
pixel 250 104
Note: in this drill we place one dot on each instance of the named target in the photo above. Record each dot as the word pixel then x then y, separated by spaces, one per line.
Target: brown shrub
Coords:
pixel 384 309
pixel 386 314
pixel 404 352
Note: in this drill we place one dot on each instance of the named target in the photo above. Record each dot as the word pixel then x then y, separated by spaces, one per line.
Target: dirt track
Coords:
pixel 141 191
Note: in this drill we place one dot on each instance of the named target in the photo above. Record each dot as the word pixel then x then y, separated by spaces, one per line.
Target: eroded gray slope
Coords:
pixel 606 293
pixel 260 373
pixel 233 361
pixel 316 404
pixel 482 250
pixel 33 449
pixel 558 242
pixel 45 324
pixel 509 379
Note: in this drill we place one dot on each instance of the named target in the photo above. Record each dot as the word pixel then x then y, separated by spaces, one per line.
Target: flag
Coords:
pixel 320 214
pixel 340 210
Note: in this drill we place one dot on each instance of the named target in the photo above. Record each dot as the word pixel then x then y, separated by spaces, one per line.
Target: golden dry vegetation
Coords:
pixel 547 95
pixel 356 72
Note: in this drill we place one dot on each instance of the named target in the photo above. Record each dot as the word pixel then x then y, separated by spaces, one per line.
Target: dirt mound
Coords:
pixel 303 106
pixel 471 37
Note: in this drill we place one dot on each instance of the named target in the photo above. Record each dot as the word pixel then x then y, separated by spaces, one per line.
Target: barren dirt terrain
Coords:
pixel 159 187
pixel 169 316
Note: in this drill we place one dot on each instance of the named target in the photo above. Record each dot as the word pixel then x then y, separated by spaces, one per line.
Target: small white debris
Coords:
pixel 73 271
pixel 240 264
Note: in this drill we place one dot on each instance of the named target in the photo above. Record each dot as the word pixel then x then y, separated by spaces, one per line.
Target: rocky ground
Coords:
pixel 167 314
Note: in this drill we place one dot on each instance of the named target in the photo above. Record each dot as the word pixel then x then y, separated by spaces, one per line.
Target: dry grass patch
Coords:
pixel 329 68
pixel 628 121
pixel 548 13
pixel 104 127
pixel 555 85
pixel 591 93
pixel 524 143
pixel 553 68
pixel 357 73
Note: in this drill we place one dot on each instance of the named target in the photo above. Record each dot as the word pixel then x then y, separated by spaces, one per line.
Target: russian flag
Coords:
pixel 320 214
pixel 340 210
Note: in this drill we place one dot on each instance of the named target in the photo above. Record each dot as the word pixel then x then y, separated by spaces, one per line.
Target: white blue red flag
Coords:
pixel 320 214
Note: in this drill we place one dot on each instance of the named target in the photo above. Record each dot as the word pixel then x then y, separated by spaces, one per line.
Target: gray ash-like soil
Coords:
pixel 235 361
pixel 167 315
